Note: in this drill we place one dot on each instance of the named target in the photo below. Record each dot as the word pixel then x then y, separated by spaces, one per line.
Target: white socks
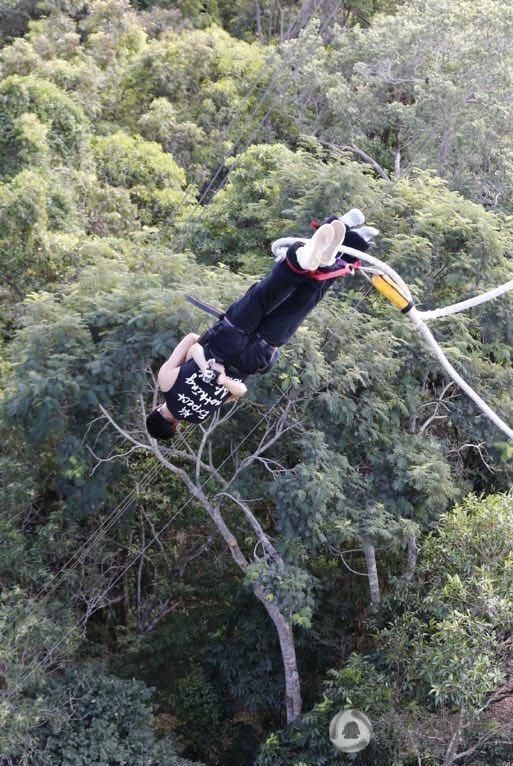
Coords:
pixel 329 255
pixel 309 254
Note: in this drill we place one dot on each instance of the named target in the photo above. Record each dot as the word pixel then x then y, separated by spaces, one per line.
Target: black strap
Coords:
pixel 206 307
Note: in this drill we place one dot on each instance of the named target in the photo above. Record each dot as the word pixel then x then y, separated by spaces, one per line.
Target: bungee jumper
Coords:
pixel 205 372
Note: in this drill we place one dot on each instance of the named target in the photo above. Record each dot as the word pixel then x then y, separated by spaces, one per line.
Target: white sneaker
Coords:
pixel 353 217
pixel 330 253
pixel 367 232
pixel 309 255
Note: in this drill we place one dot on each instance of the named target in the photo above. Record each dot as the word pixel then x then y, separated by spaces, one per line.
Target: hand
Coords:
pixel 212 372
pixel 216 366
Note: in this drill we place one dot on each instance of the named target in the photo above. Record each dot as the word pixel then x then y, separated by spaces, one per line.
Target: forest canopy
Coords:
pixel 343 536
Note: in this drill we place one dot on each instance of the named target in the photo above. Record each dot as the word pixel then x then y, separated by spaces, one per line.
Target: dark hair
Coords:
pixel 159 427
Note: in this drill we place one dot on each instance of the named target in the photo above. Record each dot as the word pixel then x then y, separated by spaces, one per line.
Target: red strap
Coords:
pixel 314 223
pixel 320 276
pixel 295 269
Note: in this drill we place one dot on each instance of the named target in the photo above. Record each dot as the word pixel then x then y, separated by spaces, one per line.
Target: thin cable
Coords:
pixel 157 535
pixel 81 553
pixel 113 517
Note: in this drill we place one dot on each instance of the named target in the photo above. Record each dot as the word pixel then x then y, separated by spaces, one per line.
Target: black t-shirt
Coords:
pixel 191 398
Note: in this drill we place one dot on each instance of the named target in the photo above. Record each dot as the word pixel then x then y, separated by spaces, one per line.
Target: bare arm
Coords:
pixel 197 353
pixel 169 370
pixel 235 387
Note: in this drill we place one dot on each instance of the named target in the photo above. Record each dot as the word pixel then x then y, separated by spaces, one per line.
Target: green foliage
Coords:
pixel 154 179
pixel 112 32
pixel 243 654
pixel 184 140
pixel 32 216
pixel 114 118
pixel 358 685
pixel 106 722
pixel 198 707
pixel 53 117
pixel 442 651
pixel 287 585
pixel 211 80
pixel 270 189
pixel 240 221
pixel 303 494
pixel 401 89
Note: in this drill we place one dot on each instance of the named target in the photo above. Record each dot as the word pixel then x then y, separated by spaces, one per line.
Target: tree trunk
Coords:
pixel 443 153
pixel 304 17
pixel 411 558
pixel 372 570
pixel 283 627
pixel 258 20
pixel 397 161
pixel 452 748
pixel 293 701
pixel 367 158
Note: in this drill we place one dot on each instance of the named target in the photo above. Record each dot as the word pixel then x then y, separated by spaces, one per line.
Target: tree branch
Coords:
pixel 366 158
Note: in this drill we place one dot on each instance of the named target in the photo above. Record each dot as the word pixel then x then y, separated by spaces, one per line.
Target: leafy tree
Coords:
pixel 15 15
pixel 112 31
pixel 183 140
pixel 212 80
pixel 261 197
pixel 33 216
pixel 396 91
pixel 102 720
pixel 441 654
pixel 154 179
pixel 65 126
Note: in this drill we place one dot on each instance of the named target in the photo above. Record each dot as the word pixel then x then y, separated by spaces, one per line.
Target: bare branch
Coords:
pixel 255 524
pixel 438 403
pixel 203 548
pixel 479 449
pixel 117 456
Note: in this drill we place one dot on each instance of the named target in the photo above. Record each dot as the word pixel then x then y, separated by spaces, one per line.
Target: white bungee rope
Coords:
pixel 420 318
pixel 468 304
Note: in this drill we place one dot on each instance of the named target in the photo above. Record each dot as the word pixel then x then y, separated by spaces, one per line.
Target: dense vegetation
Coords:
pixel 345 537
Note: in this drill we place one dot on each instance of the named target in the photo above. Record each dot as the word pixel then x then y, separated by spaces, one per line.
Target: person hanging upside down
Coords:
pixel 205 372
pixel 193 388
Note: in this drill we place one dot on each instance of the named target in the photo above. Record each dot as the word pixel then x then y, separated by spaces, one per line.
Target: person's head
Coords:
pixel 159 427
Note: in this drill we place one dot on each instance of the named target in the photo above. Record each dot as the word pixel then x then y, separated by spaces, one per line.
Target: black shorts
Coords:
pixel 242 354
pixel 258 356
